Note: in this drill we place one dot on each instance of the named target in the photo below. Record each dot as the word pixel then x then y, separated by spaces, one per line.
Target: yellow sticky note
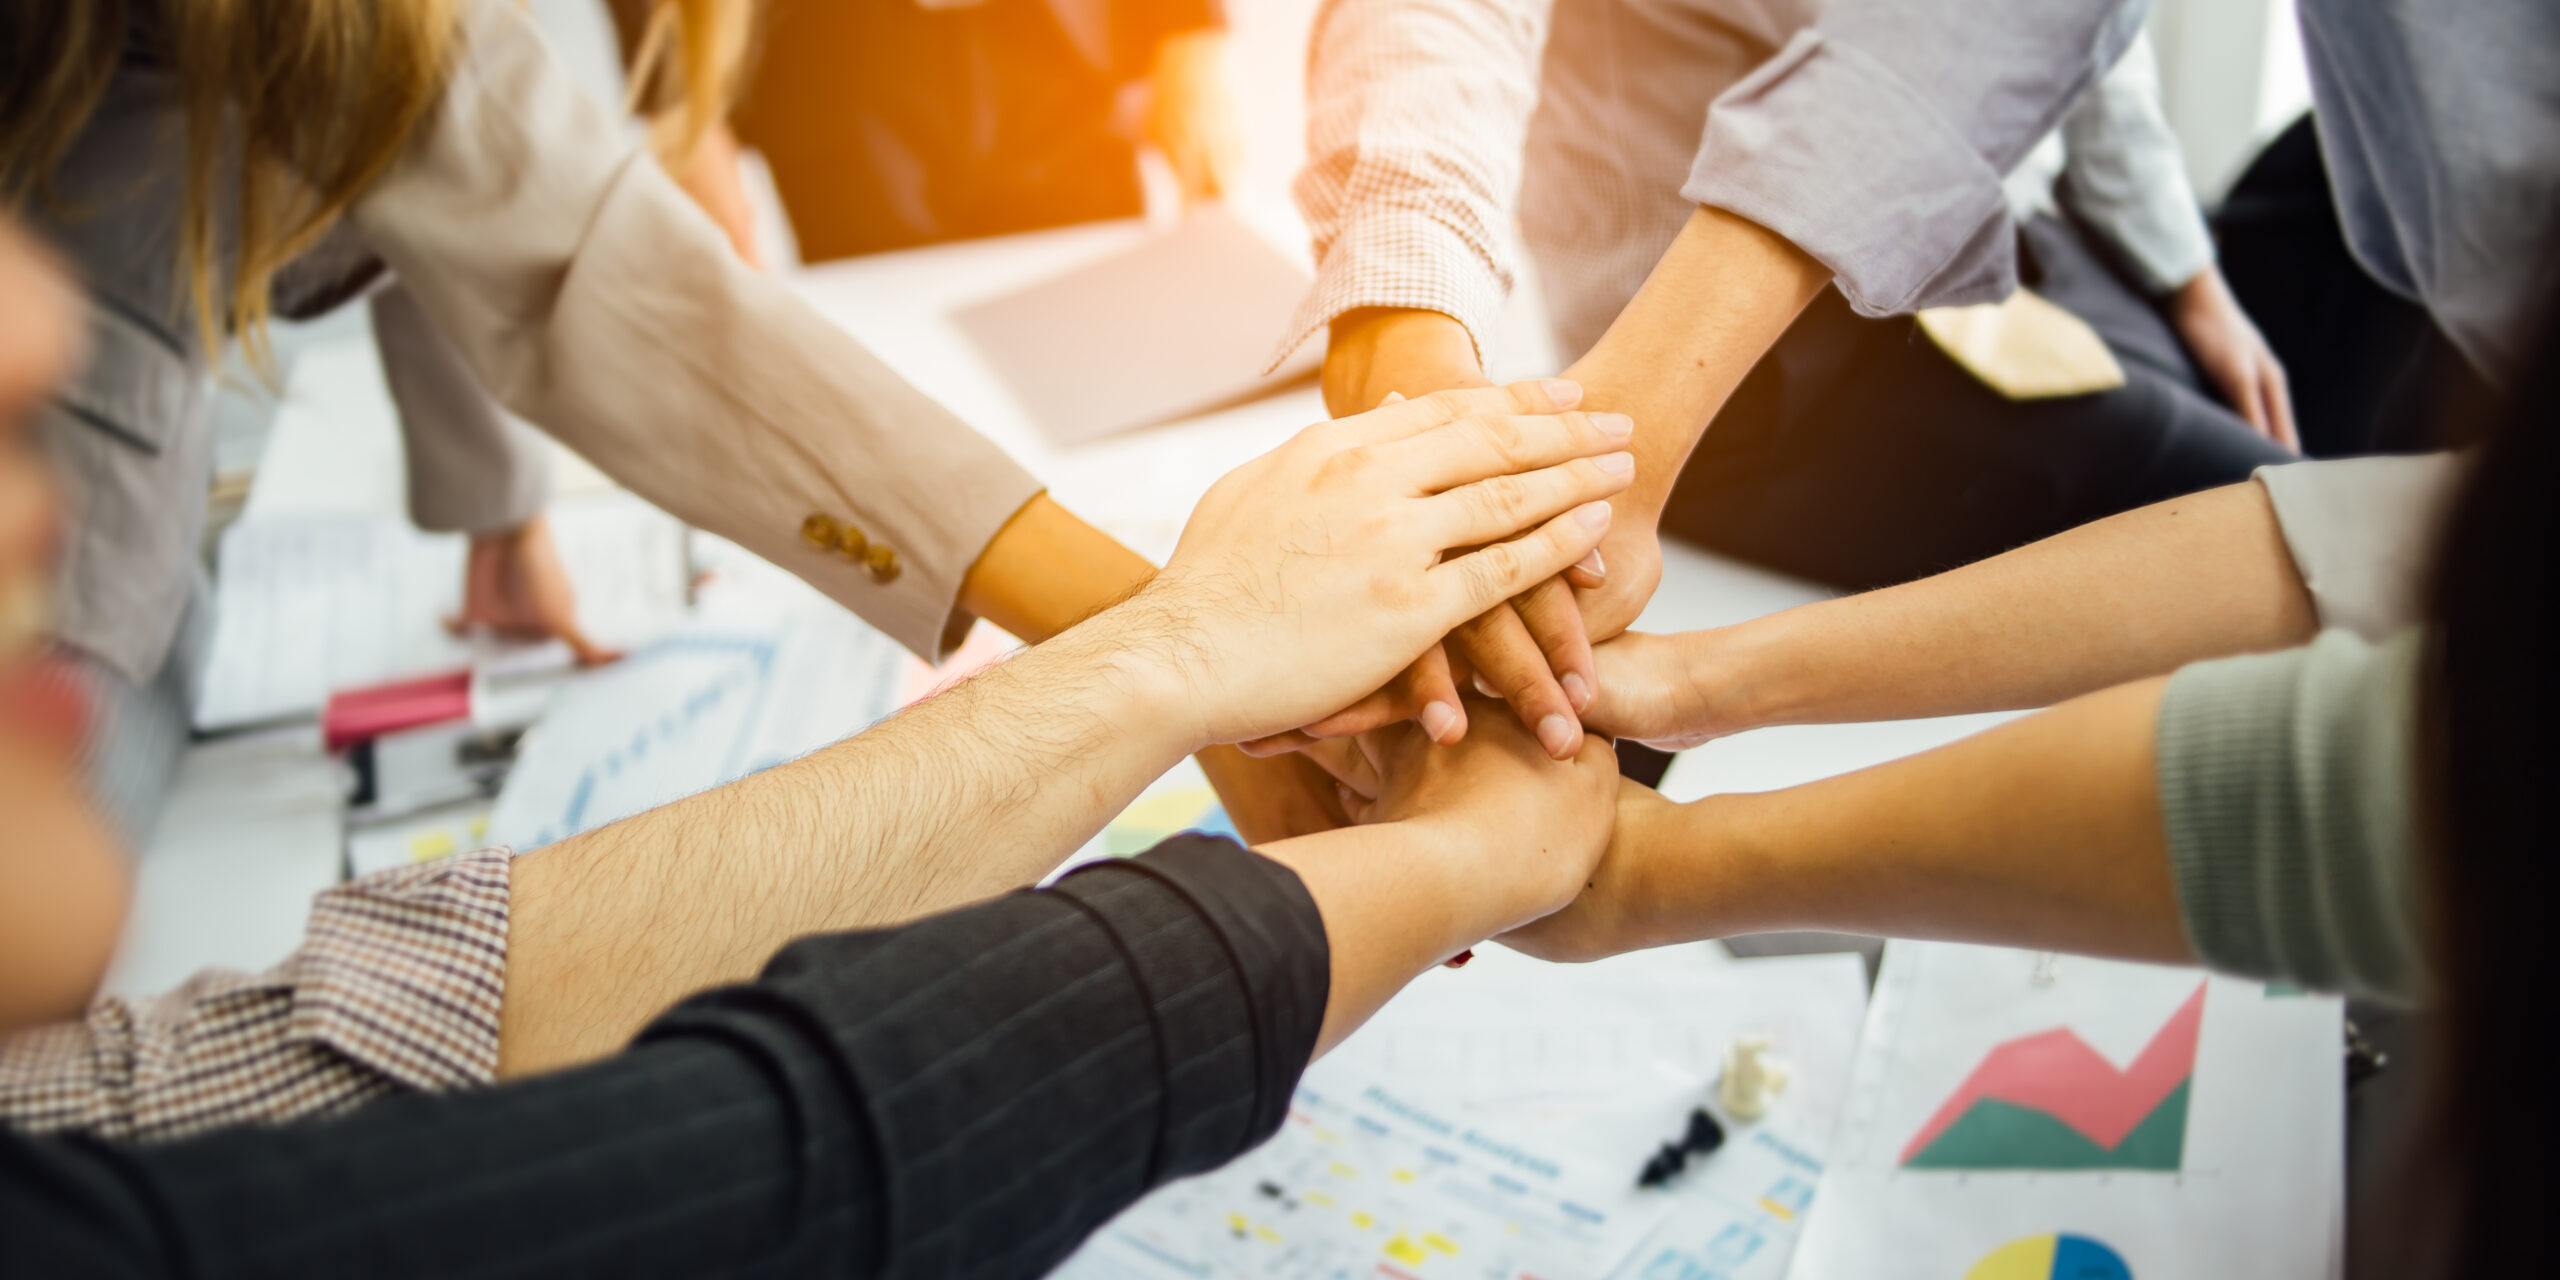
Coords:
pixel 1341 1170
pixel 1777 1208
pixel 1404 1250
pixel 1402 1175
pixel 1319 1199
pixel 428 846
pixel 1267 1234
pixel 1362 1220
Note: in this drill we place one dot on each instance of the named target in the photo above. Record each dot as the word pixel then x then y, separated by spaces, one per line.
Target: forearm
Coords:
pixel 864 1108
pixel 1397 898
pixel 1376 350
pixel 1048 570
pixel 1717 299
pixel 2045 832
pixel 2134 595
pixel 965 795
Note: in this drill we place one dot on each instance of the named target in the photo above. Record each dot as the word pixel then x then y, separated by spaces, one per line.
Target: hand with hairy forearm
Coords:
pixel 2133 595
pixel 1304 576
pixel 2044 832
pixel 1048 570
pixel 1715 302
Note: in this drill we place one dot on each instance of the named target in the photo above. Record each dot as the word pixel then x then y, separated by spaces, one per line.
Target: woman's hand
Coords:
pixel 514 584
pixel 1674 692
pixel 1608 915
pixel 2233 354
pixel 1528 828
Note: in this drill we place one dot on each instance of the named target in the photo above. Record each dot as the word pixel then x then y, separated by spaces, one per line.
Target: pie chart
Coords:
pixel 2051 1257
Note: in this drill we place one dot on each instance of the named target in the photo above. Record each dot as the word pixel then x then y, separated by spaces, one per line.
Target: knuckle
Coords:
pixel 1346 466
pixel 1395 592
pixel 1498 566
pixel 1508 440
pixel 1448 405
pixel 1500 497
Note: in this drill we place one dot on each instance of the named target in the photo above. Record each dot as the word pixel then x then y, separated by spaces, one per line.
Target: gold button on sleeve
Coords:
pixel 819 531
pixel 852 543
pixel 882 561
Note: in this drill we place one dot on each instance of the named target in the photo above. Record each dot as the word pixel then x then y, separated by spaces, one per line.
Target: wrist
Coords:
pixel 1685 871
pixel 1375 350
pixel 1138 656
pixel 1748 676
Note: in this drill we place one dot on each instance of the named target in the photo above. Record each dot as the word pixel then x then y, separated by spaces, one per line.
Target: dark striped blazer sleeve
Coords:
pixel 967 1096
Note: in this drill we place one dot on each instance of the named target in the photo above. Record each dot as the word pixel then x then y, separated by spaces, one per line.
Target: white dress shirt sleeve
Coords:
pixel 1416 115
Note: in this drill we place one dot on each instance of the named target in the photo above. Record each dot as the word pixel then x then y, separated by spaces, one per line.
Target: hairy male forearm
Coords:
pixel 976 791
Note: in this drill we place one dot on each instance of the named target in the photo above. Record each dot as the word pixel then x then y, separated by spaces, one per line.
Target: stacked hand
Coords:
pixel 1532 828
pixel 1312 575
pixel 1532 650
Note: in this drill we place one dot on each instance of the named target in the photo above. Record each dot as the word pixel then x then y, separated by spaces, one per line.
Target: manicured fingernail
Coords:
pixel 1486 688
pixel 1563 393
pixel 1593 515
pixel 1616 426
pixel 1576 690
pixel 1459 961
pixel 1592 564
pixel 1616 464
pixel 1555 733
pixel 1439 720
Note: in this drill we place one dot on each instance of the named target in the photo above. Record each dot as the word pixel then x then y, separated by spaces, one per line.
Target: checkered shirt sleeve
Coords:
pixel 395 988
pixel 1416 115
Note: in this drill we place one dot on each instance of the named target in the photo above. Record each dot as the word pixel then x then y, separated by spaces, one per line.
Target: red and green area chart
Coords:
pixel 2049 1101
pixel 2015 1115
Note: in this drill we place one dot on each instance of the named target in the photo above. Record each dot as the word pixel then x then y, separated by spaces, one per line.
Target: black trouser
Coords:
pixel 2371 371
pixel 1859 455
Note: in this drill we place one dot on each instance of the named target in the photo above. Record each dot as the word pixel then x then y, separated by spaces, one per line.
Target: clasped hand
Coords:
pixel 1312 575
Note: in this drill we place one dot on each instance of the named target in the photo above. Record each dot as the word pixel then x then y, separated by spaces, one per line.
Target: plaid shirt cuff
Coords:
pixel 396 988
pixel 1401 258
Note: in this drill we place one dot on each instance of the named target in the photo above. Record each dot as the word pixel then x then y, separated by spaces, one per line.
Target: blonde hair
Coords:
pixel 686 69
pixel 312 100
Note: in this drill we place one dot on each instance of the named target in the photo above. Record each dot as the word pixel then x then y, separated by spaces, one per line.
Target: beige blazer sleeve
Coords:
pixel 589 295
pixel 472 468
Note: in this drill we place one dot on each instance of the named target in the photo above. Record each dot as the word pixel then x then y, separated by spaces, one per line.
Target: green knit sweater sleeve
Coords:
pixel 2287 786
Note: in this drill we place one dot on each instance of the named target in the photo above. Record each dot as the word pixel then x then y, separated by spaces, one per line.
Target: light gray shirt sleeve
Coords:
pixel 472 467
pixel 1877 140
pixel 2362 532
pixel 2288 791
pixel 2441 128
pixel 2125 175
